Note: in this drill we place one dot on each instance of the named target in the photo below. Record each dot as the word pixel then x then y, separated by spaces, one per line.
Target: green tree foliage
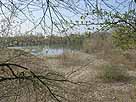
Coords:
pixel 124 37
pixel 124 34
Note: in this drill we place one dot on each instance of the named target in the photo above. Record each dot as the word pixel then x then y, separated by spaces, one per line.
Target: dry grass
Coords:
pixel 93 89
pixel 70 58
pixel 119 57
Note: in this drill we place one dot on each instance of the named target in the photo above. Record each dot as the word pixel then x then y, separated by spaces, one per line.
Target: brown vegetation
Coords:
pixel 89 72
pixel 103 46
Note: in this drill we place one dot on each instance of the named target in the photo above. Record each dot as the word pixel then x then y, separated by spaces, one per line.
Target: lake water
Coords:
pixel 43 50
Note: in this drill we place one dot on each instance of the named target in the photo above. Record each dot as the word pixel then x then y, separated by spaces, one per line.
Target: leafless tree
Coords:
pixel 50 17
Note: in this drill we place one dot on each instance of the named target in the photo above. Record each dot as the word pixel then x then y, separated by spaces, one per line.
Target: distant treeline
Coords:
pixel 30 40
pixel 22 40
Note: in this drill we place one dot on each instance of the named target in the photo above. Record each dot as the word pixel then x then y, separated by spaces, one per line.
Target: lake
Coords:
pixel 41 50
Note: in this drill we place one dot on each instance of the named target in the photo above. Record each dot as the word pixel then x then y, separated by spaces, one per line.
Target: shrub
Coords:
pixel 98 42
pixel 124 37
pixel 114 73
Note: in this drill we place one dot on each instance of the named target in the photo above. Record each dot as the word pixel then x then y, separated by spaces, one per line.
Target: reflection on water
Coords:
pixel 46 52
pixel 42 50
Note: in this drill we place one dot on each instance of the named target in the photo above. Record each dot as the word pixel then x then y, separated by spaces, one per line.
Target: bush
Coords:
pixel 114 73
pixel 98 42
pixel 124 37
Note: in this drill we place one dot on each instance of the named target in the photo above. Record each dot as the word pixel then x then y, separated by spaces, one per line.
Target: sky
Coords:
pixel 30 16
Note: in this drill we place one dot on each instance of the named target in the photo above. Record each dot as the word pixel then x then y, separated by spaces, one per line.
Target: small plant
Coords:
pixel 114 73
